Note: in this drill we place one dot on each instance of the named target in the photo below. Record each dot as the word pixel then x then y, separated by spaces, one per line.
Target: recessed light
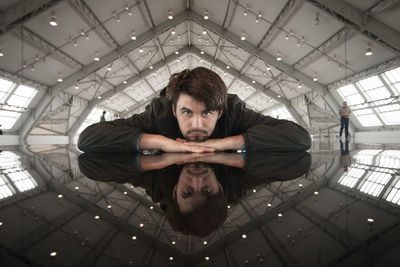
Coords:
pixel 244 236
pixel 53 254
pixel 134 237
pixel 60 196
pixel 97 217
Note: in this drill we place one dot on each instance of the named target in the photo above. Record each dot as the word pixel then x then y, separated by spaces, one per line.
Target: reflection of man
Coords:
pixel 345 158
pixel 195 114
pixel 344 114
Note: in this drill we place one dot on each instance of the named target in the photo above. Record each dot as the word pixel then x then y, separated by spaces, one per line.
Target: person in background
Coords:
pixel 345 158
pixel 344 114
pixel 103 117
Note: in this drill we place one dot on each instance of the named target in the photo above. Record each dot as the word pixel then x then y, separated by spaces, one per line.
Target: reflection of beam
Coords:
pixel 367 25
pixel 21 12
pixel 120 87
pixel 94 66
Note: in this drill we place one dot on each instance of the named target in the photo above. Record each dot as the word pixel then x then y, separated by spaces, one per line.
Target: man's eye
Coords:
pixel 186 112
pixel 187 193
pixel 206 190
pixel 206 113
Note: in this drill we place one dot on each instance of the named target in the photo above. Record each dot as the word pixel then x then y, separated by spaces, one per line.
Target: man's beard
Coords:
pixel 196 138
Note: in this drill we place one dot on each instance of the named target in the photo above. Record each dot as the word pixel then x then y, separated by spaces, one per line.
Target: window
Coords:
pixel 394 192
pixel 5 88
pixel 375 181
pixel 22 96
pixel 6 189
pixel 350 178
pixel 374 101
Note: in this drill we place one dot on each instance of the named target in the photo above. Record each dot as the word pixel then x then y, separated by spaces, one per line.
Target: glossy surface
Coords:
pixel 282 209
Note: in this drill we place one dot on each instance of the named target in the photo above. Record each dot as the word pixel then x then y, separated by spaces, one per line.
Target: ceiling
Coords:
pixel 138 47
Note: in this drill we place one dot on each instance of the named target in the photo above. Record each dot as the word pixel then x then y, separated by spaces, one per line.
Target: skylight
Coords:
pixel 375 100
pixel 14 99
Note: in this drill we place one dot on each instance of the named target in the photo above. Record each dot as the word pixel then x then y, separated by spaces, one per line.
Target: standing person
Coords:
pixel 195 114
pixel 103 117
pixel 344 114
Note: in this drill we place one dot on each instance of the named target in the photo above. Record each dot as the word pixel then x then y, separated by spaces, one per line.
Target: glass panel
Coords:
pixel 368 120
pixel 394 193
pixel 374 88
pixel 394 79
pixel 22 180
pixel 22 96
pixel 375 182
pixel 8 118
pixel 350 178
pixel 6 189
pixel 5 87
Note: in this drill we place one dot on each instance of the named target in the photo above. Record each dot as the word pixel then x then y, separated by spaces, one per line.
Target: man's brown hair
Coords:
pixel 203 84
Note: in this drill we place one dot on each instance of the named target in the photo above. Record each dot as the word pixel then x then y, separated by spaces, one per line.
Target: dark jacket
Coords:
pixel 261 133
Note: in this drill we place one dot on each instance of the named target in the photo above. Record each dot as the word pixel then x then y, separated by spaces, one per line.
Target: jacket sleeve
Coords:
pixel 264 133
pixel 117 136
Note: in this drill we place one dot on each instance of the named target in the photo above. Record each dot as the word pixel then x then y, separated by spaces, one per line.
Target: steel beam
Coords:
pixel 367 25
pixel 92 67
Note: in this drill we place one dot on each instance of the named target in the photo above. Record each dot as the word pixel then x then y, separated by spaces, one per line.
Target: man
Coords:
pixel 195 114
pixel 345 158
pixel 344 114
pixel 103 117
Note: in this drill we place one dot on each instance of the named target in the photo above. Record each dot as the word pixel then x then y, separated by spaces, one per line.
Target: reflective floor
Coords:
pixel 335 206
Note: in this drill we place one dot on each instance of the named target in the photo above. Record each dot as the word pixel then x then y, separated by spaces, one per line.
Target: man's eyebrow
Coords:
pixel 184 108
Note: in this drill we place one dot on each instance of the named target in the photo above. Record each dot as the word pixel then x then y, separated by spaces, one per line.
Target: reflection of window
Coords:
pixel 13 178
pixel 394 192
pixel 374 172
pixel 374 100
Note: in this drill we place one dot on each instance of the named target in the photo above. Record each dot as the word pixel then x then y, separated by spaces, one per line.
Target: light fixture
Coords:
pixel 117 18
pixel 300 185
pixel 59 77
pixel 329 61
pixel 32 67
pixel 53 254
pixel 125 193
pixel 60 196
pixel 243 36
pixel 96 217
pixel 245 12
pixel 141 225
pixel 244 236
pixel 254 191
pixel 125 82
pixel 299 85
pixel 151 67
pixel 315 78
pixel 370 220
pixel 170 14
pixel 53 21
pixel 279 96
pixel 202 51
pixel 173 242
pixel 76 187
pixel 268 67
pixel 151 207
pixel 171 258
pixel 316 193
pixel 228 206
pixel 1 223
pixel 133 36
pixel 280 215
pixel 368 51
pixel 201 60
pixel 316 19
pixel 206 14
pixel 204 242
pixel 178 60
pixel 75 44
pixel 269 204
pixel 109 68
pixel 204 32
pixel 87 36
pixel 259 14
pixel 82 32
pixel 1 52
pixel 129 12
pixel 278 56
pixel 176 51
pixel 134 237
pixel 173 31
pixel 228 67
pixel 141 50
pixel 287 37
pixel 109 206
pixel 207 258
pixel 96 56
pixel 76 87
pixel 99 97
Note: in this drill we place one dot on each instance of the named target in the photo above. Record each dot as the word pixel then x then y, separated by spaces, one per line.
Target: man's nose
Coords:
pixel 197 183
pixel 197 121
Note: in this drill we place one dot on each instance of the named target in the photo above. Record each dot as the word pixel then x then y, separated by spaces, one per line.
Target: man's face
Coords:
pixel 344 104
pixel 196 182
pixel 195 121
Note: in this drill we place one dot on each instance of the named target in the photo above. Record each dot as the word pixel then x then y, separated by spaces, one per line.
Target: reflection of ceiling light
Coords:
pixel 204 32
pixel 99 97
pixel 96 57
pixel 316 19
pixel 173 31
pixel 244 236
pixel 278 56
pixel 75 43
pixel 60 196
pixel 59 77
pixel 299 85
pixel 133 36
pixel 368 51
pixel 206 14
pixel 109 68
pixel 53 254
pixel 315 78
pixel 202 51
pixel 287 37
pixel 151 67
pixel 141 50
pixel 173 242
pixel 243 37
pixel 207 258
pixel 170 14
pixel 171 258
pixel 268 67
pixel 53 21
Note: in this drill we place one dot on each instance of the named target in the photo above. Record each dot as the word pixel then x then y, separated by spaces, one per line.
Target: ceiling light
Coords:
pixel 125 82
pixel 228 67
pixel 171 258
pixel 96 217
pixel 329 61
pixel 316 19
pixel 75 43
pixel 280 215
pixel 244 236
pixel 76 86
pixel 151 207
pixel 279 96
pixel 269 204
pixel 134 237
pixel 243 36
pixel 170 14
pixel 254 191
pixel 1 223
pixel 133 36
pixel 206 14
pixel 298 43
pixel 207 258
pixel 176 51
pixel 125 193
pixel 287 37
pixel 173 31
pixel 76 187
pixel 370 220
pixel 141 50
pixel 32 68
pixel 96 56
pixel 109 68
pixel 178 60
pixel 60 196
pixel 202 51
pixel 204 242
pixel 315 78
pixel 59 77
pixel 299 85
pixel 141 225
pixel 204 32
pixel 82 32
pixel 268 67
pixel 245 12
pixel 53 254
pixel 129 12
pixel 300 185
pixel 151 67
pixel 316 193
pixel 109 206
pixel 173 242
pixel 368 51
pixel 253 81
pixel 53 21
pixel 201 60
pixel 117 19
pixel 278 56
pixel 99 97
pixel 87 36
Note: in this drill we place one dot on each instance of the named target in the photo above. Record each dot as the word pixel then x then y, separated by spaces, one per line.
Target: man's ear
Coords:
pixel 220 113
pixel 221 189
pixel 174 192
pixel 174 110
